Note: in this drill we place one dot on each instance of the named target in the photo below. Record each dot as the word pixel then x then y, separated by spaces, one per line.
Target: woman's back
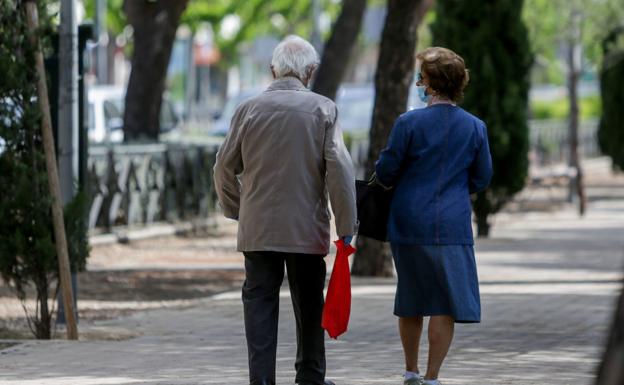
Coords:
pixel 435 158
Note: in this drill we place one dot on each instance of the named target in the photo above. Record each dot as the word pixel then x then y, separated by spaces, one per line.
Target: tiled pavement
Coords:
pixel 548 285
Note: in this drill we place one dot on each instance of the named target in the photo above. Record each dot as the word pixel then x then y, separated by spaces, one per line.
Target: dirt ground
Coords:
pixel 121 279
pixel 110 294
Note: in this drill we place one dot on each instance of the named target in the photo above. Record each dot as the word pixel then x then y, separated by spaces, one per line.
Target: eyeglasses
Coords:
pixel 419 78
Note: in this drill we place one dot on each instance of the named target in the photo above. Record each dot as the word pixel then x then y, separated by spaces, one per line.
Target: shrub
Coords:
pixel 27 250
pixel 493 40
pixel 590 107
pixel 611 129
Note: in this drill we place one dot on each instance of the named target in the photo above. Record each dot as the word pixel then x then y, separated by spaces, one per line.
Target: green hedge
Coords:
pixel 590 107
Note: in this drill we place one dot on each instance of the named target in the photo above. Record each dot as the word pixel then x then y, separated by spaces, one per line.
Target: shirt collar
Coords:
pixel 287 83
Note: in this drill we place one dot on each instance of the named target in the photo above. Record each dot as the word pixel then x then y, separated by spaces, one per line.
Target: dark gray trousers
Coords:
pixel 264 273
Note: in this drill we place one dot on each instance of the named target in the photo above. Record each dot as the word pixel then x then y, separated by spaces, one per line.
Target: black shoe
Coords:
pixel 328 382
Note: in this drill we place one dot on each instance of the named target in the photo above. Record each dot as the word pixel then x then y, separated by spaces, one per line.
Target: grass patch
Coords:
pixel 13 334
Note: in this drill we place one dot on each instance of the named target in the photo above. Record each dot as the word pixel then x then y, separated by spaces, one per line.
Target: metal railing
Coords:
pixel 550 141
pixel 140 184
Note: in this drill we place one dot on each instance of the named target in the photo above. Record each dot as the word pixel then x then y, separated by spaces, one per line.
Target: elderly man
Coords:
pixel 283 153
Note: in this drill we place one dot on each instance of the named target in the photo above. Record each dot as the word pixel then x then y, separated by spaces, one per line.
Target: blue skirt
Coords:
pixel 437 280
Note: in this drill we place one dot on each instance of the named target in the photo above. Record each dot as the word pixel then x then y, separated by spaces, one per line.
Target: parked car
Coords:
pixel 106 108
pixel 354 101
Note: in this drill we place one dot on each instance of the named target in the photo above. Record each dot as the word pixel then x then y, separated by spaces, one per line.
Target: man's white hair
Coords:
pixel 293 56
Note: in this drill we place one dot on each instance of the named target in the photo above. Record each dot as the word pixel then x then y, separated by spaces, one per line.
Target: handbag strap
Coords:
pixel 374 181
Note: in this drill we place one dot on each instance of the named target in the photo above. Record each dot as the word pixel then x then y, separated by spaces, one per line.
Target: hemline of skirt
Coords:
pixel 431 314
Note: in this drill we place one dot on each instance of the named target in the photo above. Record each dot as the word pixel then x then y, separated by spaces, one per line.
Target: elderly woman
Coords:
pixel 435 158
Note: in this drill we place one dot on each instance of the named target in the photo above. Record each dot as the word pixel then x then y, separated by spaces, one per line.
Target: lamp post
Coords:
pixel 68 100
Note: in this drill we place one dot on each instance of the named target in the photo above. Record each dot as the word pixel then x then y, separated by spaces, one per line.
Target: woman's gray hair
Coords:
pixel 293 56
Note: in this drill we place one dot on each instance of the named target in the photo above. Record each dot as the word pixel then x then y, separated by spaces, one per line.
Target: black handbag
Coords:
pixel 373 208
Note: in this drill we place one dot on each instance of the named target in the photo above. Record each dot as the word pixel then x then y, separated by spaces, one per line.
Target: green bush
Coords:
pixel 611 129
pixel 590 107
pixel 27 250
pixel 556 109
pixel 493 40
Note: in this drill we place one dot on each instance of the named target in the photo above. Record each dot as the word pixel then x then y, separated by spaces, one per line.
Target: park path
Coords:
pixel 548 279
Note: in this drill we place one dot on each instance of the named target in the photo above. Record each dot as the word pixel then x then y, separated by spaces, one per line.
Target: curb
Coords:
pixel 127 234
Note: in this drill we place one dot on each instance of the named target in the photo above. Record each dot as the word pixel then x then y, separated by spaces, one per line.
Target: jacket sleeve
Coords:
pixel 388 167
pixel 340 180
pixel 228 165
pixel 480 171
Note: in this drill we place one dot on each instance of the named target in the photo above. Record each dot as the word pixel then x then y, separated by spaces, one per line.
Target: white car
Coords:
pixel 106 108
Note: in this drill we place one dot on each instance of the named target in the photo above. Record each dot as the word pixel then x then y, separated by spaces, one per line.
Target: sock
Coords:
pixel 409 375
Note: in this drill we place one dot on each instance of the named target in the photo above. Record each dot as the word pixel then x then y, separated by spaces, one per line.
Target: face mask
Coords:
pixel 422 90
pixel 422 94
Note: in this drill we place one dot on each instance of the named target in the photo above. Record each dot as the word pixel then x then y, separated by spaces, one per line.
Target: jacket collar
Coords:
pixel 287 83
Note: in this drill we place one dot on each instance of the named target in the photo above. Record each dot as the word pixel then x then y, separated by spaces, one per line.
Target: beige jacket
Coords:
pixel 283 153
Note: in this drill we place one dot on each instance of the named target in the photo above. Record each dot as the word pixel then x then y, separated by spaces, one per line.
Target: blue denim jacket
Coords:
pixel 436 157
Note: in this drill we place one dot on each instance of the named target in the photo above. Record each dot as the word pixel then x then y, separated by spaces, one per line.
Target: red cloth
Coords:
pixel 338 300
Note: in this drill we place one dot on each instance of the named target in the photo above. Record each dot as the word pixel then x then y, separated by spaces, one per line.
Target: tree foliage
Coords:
pixel 255 18
pixel 549 21
pixel 611 129
pixel 114 19
pixel 27 251
pixel 492 38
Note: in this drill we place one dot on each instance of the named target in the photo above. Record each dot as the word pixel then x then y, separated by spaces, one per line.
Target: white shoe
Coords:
pixel 414 380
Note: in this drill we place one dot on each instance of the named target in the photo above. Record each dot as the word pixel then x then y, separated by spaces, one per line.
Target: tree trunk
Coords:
pixel 394 75
pixel 483 224
pixel 338 48
pixel 43 320
pixel 482 208
pixel 155 24
pixel 576 182
pixel 611 370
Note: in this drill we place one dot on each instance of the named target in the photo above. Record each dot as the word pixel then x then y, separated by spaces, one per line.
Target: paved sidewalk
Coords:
pixel 548 282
